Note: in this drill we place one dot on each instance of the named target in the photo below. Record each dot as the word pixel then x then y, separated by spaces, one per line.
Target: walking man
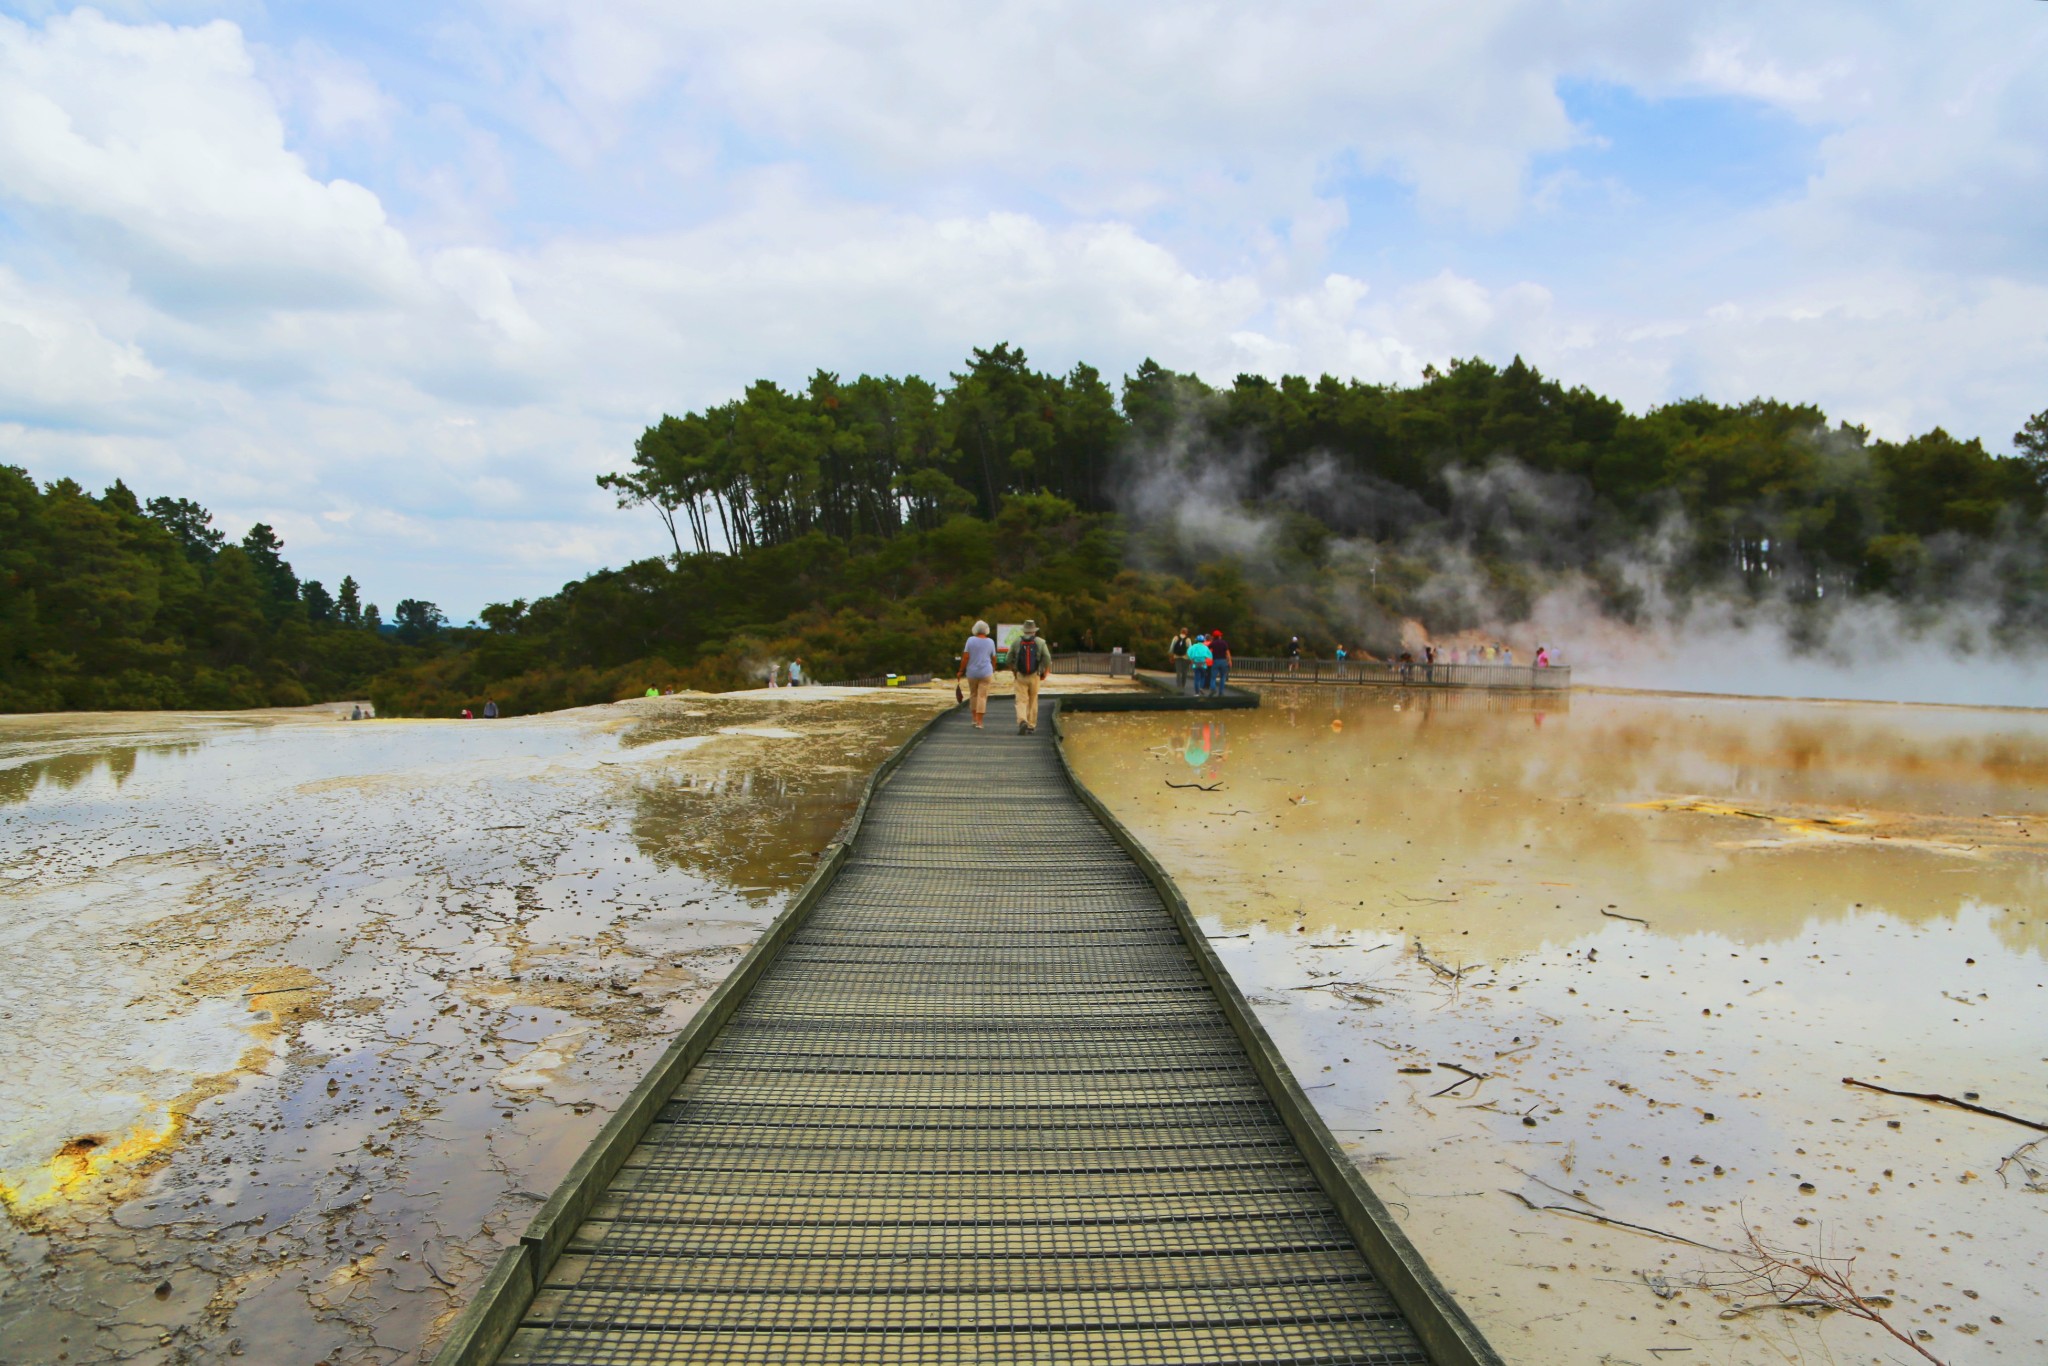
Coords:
pixel 978 667
pixel 1294 655
pixel 1179 650
pixel 1030 662
pixel 1219 663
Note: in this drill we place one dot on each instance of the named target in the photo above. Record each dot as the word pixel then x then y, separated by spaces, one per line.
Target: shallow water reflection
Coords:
pixel 1662 930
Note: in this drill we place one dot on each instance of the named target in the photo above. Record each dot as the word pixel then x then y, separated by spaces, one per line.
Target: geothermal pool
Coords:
pixel 1655 933
pixel 301 1018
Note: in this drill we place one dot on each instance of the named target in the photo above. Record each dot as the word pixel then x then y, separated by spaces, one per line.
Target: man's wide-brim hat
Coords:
pixel 1030 628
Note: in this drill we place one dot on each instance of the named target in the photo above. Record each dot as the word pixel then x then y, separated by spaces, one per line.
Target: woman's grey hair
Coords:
pixel 981 628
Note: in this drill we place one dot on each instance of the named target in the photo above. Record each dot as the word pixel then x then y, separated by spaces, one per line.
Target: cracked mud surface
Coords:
pixel 302 1018
pixel 1830 890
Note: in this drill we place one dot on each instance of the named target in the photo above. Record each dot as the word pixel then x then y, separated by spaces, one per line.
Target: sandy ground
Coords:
pixel 1408 886
pixel 303 1017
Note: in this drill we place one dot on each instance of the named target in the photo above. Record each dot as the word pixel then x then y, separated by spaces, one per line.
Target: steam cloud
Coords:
pixel 1529 557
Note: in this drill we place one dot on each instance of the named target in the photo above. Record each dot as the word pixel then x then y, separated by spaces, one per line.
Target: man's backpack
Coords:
pixel 1024 655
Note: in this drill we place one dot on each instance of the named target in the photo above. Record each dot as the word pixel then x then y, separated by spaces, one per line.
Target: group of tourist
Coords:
pixel 792 678
pixel 1030 661
pixel 1202 660
pixel 1491 652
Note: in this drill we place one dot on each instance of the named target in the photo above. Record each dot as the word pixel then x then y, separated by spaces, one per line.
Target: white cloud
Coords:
pixel 156 148
pixel 191 303
pixel 55 362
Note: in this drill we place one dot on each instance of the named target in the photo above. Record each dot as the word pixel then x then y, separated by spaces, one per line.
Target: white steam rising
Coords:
pixel 1526 557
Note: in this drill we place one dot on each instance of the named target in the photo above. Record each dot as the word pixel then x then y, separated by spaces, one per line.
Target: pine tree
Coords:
pixel 348 607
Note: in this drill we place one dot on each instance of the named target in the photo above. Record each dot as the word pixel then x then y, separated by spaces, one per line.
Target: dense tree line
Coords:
pixel 1764 489
pixel 110 603
pixel 862 525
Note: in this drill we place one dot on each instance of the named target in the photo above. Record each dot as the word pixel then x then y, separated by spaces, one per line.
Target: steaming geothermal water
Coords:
pixel 1406 886
pixel 300 1017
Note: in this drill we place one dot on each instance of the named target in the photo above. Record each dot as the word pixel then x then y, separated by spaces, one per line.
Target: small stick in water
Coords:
pixel 1936 1098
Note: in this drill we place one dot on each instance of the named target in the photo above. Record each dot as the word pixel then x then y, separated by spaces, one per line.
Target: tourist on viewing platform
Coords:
pixel 796 673
pixel 1407 667
pixel 1201 661
pixel 1429 663
pixel 1542 658
pixel 978 667
pixel 1030 662
pixel 1219 662
pixel 490 710
pixel 1507 654
pixel 1341 657
pixel 1179 650
pixel 1294 655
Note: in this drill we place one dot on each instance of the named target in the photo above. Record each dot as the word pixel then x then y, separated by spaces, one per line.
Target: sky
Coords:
pixel 402 278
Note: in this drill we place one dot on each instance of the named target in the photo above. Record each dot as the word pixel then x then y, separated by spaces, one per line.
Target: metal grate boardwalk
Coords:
pixel 982 1108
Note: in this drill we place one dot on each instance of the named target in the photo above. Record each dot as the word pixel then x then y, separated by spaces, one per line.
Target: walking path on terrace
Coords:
pixel 983 1106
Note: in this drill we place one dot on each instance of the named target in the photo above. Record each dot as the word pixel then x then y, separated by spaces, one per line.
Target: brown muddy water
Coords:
pixel 301 1018
pixel 1408 886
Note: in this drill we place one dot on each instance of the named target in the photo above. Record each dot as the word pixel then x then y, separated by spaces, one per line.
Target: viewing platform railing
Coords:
pixel 1388 673
pixel 1112 665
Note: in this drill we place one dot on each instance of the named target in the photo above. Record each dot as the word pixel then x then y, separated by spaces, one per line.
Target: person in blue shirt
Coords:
pixel 1219 663
pixel 1202 662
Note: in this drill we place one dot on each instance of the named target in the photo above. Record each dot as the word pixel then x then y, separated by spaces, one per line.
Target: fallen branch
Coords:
pixel 1936 1098
pixel 1427 900
pixel 1211 787
pixel 1737 1311
pixel 1468 1075
pixel 1618 1223
pixel 2030 1174
pixel 1796 1280
pixel 1616 915
pixel 1454 974
pixel 1569 1195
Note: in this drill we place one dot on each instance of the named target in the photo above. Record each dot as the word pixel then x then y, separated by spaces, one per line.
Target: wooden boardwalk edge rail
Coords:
pixel 489 1322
